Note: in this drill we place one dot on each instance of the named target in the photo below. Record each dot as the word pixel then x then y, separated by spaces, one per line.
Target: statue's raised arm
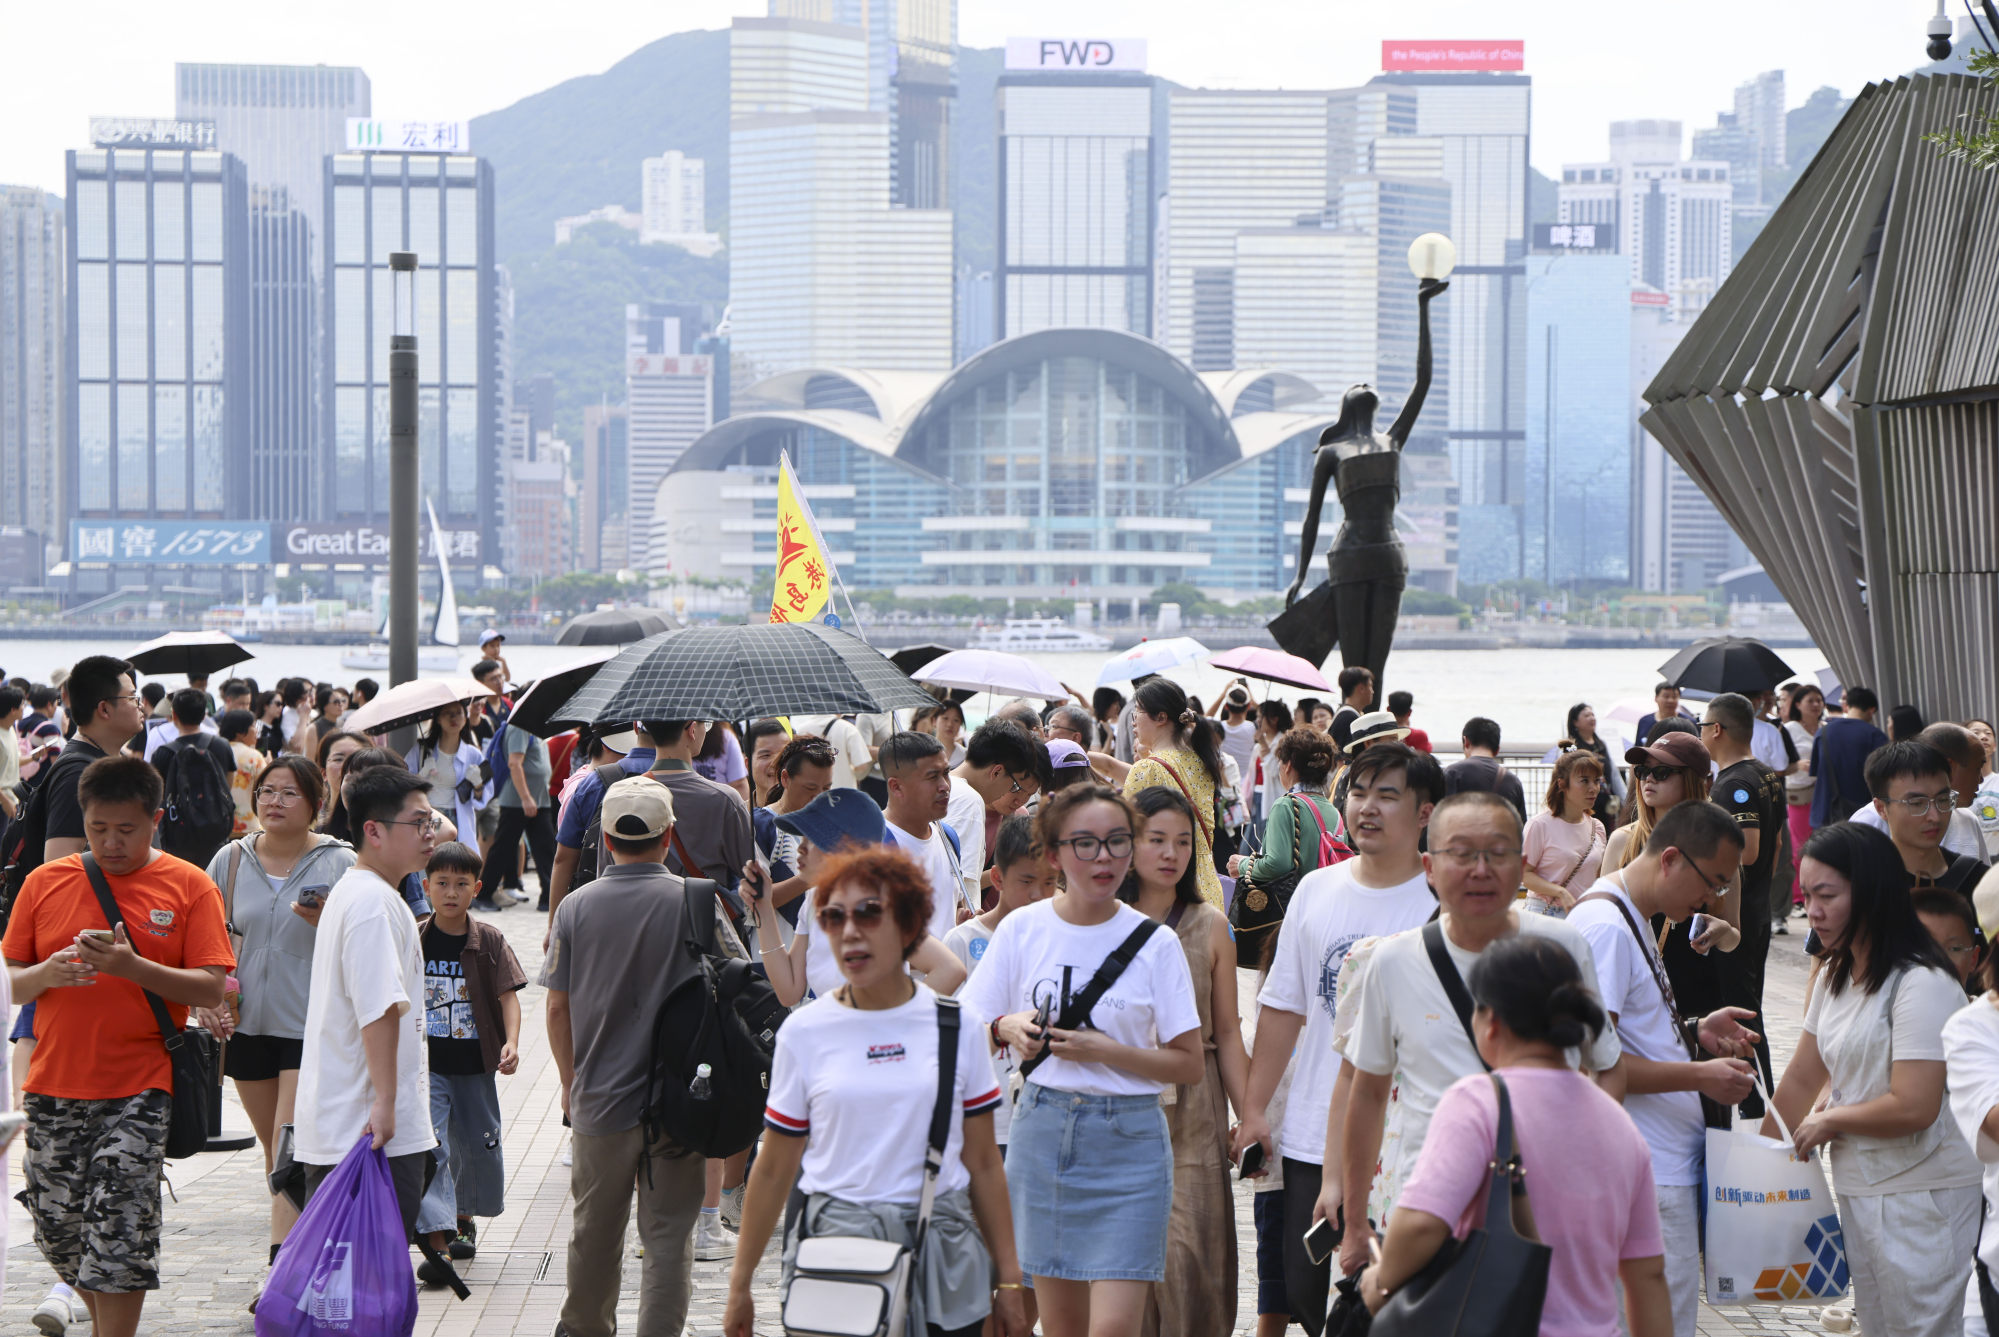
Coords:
pixel 1405 421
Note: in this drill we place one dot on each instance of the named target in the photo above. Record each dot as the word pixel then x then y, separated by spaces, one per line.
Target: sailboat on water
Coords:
pixel 442 655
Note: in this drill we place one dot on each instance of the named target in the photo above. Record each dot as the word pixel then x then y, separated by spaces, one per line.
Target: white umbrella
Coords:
pixel 415 700
pixel 1152 657
pixel 992 671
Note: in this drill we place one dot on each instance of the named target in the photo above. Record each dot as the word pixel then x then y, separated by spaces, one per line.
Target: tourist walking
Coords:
pixel 521 790
pixel 851 1130
pixel 1273 721
pixel 332 756
pixel 274 884
pixel 1098 1006
pixel 1181 755
pixel 1580 729
pixel 765 739
pixel 329 704
pixel 104 705
pixel 1356 686
pixel 721 759
pixel 1665 706
pixel 801 772
pixel 1803 719
pixel 1302 762
pixel 1873 1047
pixel 445 759
pixel 196 767
pixel 1198 1294
pixel 1839 756
pixel 1585 1170
pixel 1564 843
pixel 1481 769
pixel 1753 794
pixel 238 728
pixel 919 795
pixel 1914 804
pixel 1001 772
pixel 1971 1069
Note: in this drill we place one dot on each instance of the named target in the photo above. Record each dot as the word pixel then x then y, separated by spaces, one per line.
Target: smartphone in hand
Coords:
pixel 1320 1241
pixel 1252 1161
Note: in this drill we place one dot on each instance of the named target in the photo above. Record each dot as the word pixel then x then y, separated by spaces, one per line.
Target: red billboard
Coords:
pixel 1454 55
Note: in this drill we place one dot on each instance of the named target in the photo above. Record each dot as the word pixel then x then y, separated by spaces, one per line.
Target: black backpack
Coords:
pixel 27 837
pixel 723 1012
pixel 200 809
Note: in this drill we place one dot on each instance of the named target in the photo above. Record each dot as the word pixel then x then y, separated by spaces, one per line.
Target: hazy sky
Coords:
pixel 1591 61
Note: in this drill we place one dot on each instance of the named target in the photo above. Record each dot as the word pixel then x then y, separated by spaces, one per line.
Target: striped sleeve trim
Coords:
pixel 980 1104
pixel 784 1123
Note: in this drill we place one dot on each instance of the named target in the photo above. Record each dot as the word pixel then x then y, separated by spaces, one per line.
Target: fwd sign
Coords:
pixel 1081 54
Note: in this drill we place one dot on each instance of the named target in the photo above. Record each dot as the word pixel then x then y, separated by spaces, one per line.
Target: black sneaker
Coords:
pixel 486 903
pixel 466 1244
pixel 430 1274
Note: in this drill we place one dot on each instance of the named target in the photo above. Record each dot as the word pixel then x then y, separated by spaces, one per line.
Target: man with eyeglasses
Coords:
pixel 1915 803
pixel 1753 795
pixel 1384 890
pixel 1962 834
pixel 1410 1032
pixel 1670 1061
pixel 1000 773
pixel 104 701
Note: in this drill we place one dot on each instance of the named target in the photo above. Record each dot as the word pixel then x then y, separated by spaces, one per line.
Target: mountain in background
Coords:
pixel 576 146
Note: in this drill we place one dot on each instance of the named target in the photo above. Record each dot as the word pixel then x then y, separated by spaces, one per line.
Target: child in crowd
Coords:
pixel 1949 918
pixel 472 1022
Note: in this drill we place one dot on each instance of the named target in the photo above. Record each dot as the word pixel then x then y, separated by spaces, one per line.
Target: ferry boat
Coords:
pixel 1030 634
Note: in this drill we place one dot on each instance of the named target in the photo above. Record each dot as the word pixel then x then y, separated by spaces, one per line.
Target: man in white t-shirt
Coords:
pixel 1391 791
pixel 853 759
pixel 1692 853
pixel 1000 773
pixel 364 1067
pixel 1409 1032
pixel 919 794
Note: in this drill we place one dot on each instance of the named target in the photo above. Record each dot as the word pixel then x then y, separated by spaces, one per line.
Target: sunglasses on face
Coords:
pixel 833 918
pixel 1644 773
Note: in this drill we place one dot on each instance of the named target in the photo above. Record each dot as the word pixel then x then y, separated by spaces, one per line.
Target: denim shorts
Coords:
pixel 1091 1178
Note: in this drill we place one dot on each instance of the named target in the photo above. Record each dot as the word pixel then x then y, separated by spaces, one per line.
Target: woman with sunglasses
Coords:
pixel 853 1086
pixel 1089 1157
pixel 268 879
pixel 1563 847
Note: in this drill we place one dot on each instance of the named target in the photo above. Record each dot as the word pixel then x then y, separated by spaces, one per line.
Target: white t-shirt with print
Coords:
pixel 1037 954
pixel 1330 911
pixel 941 864
pixel 1671 1121
pixel 967 816
pixel 367 962
pixel 860 1087
pixel 1407 1026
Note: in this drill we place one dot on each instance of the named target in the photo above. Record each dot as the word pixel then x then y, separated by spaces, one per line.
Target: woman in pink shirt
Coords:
pixel 1588 1173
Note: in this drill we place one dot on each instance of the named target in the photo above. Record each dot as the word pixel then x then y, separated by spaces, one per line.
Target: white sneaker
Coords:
pixel 55 1315
pixel 1837 1318
pixel 732 1207
pixel 511 896
pixel 712 1243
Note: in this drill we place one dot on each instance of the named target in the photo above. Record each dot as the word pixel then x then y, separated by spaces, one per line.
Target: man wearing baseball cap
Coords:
pixel 615 951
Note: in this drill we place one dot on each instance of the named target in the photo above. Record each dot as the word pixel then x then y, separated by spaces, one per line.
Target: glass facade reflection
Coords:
pixel 158 302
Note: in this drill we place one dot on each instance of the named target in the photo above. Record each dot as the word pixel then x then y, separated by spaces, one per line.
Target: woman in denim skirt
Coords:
pixel 1089 1161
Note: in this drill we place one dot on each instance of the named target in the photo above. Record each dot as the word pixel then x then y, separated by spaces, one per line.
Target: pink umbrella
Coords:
pixel 1254 661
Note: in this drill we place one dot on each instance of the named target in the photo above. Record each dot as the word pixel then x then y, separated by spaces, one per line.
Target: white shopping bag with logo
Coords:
pixel 1772 1234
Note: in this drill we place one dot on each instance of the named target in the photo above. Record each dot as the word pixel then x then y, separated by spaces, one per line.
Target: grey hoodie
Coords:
pixel 274 966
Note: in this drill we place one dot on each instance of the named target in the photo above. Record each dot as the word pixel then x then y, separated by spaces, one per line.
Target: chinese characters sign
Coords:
pixel 368 135
pixel 170 542
pixel 130 132
pixel 1576 237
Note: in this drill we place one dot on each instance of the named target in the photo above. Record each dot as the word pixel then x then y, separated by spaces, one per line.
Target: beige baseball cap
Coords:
pixel 637 808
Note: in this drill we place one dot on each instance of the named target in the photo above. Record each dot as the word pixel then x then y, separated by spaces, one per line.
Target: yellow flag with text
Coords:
pixel 804 572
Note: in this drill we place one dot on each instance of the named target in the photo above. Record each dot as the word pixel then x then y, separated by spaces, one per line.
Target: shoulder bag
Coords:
pixel 1206 828
pixel 854 1286
pixel 1454 985
pixel 187 1050
pixel 1494 1281
pixel 1257 908
pixel 1076 1013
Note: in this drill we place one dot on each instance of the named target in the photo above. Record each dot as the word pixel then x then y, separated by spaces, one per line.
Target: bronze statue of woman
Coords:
pixel 1357 605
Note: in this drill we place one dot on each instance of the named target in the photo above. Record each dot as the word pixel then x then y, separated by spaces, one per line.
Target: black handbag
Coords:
pixel 1491 1283
pixel 1257 908
pixel 188 1050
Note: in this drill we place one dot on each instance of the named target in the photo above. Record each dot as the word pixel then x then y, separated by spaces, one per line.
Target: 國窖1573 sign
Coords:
pixel 170 542
pixel 368 135
pixel 1453 54
pixel 1076 54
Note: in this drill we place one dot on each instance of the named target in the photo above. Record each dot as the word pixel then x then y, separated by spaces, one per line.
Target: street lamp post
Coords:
pixel 402 470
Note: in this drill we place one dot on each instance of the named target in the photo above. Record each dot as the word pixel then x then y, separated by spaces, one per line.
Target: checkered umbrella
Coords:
pixel 740 673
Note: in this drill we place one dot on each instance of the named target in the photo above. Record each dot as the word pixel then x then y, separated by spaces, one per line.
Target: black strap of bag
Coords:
pixel 187 1129
pixel 1454 985
pixel 1077 1010
pixel 948 1019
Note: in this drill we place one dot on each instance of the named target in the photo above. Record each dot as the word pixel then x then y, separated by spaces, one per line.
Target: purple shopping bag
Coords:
pixel 345 1267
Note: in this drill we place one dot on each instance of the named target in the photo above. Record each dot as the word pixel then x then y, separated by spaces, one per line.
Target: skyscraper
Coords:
pixel 603 503
pixel 674 202
pixel 1759 109
pixel 1578 483
pixel 669 403
pixel 1076 212
pixel 32 387
pixel 1304 299
pixel 1672 217
pixel 823 270
pixel 284 479
pixel 440 206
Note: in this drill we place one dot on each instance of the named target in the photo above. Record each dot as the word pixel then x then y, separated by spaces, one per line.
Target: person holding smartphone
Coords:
pixel 274 883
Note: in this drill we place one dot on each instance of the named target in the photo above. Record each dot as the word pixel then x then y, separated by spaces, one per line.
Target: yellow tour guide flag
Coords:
pixel 804 573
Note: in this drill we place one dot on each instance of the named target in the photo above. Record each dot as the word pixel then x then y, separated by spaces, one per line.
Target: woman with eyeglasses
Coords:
pixel 853 1088
pixel 1563 846
pixel 1873 1046
pixel 273 884
pixel 1089 1156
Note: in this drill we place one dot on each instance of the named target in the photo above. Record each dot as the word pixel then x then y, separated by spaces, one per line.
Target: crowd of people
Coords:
pixel 1099 960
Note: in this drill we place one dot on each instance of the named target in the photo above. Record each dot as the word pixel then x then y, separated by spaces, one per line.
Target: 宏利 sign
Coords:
pixel 377 136
pixel 150 132
pixel 365 544
pixel 170 542
pixel 1454 55
pixel 1075 53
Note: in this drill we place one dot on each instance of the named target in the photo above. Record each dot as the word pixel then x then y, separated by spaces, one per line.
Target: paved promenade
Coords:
pixel 214 1245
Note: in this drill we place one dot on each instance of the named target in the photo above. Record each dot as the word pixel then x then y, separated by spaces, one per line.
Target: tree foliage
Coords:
pixel 1977 147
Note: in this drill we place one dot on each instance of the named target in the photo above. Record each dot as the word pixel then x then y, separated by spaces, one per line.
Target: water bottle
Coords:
pixel 698 1088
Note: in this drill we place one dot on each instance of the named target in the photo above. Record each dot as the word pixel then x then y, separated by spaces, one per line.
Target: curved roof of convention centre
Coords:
pixel 881 411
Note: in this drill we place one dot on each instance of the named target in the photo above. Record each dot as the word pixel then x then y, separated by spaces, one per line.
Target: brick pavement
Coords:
pixel 214 1244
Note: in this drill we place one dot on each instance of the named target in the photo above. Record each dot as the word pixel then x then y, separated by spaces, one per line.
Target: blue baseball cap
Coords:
pixel 837 817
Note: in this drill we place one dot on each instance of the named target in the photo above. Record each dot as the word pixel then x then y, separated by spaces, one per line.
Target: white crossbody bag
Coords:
pixel 853 1286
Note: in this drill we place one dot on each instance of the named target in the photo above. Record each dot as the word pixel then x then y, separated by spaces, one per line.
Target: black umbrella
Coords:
pixel 1726 664
pixel 534 707
pixel 193 653
pixel 612 626
pixel 742 673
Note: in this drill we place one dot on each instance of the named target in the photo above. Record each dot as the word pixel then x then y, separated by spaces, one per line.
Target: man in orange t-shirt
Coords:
pixel 98 1093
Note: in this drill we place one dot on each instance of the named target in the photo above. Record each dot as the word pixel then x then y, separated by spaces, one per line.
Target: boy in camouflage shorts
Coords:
pixel 98 1092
